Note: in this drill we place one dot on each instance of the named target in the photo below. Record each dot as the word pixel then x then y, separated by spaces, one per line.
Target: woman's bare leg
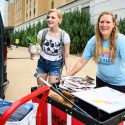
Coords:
pixel 44 76
pixel 53 79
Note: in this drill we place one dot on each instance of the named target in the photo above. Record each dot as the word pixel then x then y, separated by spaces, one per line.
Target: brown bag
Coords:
pixel 60 99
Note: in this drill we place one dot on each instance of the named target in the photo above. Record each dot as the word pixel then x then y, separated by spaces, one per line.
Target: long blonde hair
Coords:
pixel 112 44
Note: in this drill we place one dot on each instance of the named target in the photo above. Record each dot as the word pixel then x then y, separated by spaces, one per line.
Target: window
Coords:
pixel 85 9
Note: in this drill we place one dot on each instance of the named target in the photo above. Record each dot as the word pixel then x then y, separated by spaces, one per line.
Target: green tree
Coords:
pixel 80 29
pixel 121 25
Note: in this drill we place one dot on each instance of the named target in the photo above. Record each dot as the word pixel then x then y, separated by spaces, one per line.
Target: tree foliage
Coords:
pixel 80 29
pixel 121 25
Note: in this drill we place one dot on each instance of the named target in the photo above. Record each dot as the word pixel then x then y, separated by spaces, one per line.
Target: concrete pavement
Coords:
pixel 20 70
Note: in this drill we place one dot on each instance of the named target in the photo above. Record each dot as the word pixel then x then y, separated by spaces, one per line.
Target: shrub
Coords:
pixel 80 29
pixel 121 25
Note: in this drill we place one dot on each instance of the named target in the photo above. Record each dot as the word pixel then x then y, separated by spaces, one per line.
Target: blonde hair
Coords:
pixel 59 13
pixel 112 45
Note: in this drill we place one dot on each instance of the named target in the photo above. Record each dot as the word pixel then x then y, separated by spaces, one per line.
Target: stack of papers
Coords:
pixel 75 84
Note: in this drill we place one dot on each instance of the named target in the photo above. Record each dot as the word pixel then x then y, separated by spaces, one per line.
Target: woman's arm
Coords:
pixel 67 57
pixel 78 66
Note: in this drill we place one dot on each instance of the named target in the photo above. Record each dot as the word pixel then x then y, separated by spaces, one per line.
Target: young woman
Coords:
pixel 50 62
pixel 107 48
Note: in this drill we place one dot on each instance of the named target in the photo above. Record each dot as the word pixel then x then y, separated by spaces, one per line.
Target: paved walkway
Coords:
pixel 20 71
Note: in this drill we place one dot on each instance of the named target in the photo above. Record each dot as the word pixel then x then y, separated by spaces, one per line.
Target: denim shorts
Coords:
pixel 49 67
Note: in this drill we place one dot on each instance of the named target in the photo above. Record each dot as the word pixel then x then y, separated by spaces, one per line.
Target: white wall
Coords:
pixel 117 7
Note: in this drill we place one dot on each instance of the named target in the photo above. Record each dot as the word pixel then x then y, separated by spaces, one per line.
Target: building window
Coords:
pixel 75 9
pixel 34 11
pixel 30 13
pixel 86 9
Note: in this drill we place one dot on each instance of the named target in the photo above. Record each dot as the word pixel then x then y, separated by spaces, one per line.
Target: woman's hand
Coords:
pixel 32 56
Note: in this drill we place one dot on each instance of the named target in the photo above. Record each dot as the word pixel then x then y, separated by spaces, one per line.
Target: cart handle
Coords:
pixel 58 92
pixel 42 90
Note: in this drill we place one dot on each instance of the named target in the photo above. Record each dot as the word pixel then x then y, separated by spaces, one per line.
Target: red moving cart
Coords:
pixel 56 113
pixel 43 90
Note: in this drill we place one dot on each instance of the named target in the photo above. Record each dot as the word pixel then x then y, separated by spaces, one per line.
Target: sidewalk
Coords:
pixel 20 70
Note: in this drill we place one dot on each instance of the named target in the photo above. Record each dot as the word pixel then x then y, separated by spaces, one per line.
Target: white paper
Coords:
pixel 104 98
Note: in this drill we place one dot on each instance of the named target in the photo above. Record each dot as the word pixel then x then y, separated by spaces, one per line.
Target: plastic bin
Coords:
pixel 29 119
pixel 34 117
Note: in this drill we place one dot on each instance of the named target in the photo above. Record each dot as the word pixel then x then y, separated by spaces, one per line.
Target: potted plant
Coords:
pixel 34 45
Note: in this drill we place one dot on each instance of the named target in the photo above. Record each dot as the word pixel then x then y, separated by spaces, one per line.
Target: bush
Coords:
pixel 121 25
pixel 80 29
